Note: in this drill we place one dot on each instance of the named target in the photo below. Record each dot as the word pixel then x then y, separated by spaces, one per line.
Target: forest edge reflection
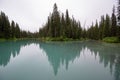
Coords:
pixel 60 53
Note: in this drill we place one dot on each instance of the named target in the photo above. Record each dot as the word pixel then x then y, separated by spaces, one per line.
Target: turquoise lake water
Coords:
pixel 34 60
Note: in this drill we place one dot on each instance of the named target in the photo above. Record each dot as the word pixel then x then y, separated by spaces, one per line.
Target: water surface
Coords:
pixel 33 60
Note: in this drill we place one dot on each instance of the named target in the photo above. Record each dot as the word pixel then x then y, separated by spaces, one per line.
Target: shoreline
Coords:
pixel 61 39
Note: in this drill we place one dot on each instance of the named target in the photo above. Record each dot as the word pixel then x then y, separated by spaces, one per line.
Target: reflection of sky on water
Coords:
pixel 63 56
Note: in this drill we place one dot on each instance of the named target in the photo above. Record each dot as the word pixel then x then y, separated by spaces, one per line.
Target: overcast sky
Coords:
pixel 32 14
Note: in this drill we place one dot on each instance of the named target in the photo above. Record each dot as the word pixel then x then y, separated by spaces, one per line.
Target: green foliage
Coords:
pixel 118 13
pixel 2 39
pixel 12 30
pixel 17 31
pixel 101 28
pixel 107 26
pixel 4 26
pixel 113 23
pixel 59 25
pixel 44 39
pixel 111 39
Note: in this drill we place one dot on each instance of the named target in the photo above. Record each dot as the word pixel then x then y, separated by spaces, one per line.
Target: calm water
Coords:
pixel 32 60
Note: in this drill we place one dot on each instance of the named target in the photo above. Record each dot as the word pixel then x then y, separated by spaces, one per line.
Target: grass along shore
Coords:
pixel 15 39
pixel 47 39
pixel 111 40
pixel 106 39
pixel 44 39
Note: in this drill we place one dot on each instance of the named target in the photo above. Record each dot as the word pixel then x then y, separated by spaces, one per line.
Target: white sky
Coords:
pixel 32 14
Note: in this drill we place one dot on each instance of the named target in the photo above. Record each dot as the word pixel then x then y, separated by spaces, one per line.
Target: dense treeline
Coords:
pixel 12 30
pixel 107 28
pixel 60 25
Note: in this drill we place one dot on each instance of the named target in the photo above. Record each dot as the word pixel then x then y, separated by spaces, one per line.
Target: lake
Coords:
pixel 34 60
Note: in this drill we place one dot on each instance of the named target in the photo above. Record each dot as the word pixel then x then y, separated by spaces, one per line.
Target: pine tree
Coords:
pixel 55 22
pixel 107 26
pixel 114 23
pixel 101 28
pixel 17 31
pixel 84 33
pixel 67 27
pixel 49 27
pixel 79 30
pixel 5 26
pixel 96 31
pixel 13 29
pixel 62 31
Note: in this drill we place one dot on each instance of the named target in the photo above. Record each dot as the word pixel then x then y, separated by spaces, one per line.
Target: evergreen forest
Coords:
pixel 61 26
